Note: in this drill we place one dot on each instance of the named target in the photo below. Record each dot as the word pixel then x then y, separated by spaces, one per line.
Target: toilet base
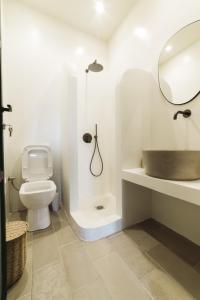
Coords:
pixel 38 218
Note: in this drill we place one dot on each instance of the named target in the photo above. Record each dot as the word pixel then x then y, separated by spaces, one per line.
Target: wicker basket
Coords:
pixel 16 250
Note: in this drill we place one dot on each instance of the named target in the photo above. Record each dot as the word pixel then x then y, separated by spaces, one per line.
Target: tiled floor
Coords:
pixel 131 265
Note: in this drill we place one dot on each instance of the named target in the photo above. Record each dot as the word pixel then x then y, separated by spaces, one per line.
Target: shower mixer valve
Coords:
pixel 87 138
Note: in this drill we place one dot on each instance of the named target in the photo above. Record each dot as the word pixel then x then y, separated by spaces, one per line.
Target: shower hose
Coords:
pixel 96 148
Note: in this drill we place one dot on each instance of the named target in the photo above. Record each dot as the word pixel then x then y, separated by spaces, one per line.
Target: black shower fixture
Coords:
pixel 87 138
pixel 94 67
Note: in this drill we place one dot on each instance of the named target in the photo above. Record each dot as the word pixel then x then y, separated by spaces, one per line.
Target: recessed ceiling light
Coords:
pixel 141 32
pixel 168 48
pixel 80 51
pixel 99 7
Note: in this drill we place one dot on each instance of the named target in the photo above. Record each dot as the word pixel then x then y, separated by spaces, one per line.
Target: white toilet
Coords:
pixel 38 191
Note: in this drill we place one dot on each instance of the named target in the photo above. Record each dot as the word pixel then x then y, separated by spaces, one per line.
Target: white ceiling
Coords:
pixel 81 14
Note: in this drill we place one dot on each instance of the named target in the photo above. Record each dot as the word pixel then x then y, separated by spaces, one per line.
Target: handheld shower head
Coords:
pixel 94 67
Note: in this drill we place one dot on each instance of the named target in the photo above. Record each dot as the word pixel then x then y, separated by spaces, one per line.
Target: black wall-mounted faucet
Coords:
pixel 186 113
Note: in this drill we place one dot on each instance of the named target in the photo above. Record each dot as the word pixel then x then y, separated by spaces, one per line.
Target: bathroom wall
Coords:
pixel 69 145
pixel 136 47
pixel 39 53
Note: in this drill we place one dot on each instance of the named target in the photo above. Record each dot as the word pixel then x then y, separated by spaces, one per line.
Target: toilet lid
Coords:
pixel 37 163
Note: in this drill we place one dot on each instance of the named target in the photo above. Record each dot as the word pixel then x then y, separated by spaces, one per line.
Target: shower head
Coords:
pixel 94 67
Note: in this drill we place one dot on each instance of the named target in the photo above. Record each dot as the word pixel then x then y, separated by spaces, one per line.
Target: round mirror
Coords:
pixel 179 65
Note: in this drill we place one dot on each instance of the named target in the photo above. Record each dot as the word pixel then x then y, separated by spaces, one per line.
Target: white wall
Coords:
pixel 136 46
pixel 69 146
pixel 37 50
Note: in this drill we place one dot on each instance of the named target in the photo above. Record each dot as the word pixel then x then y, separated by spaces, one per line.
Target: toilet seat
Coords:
pixel 37 163
pixel 36 187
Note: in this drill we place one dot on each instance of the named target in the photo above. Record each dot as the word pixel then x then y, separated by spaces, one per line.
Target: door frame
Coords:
pixel 3 263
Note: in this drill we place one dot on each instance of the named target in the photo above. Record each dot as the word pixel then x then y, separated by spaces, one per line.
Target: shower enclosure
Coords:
pixel 91 201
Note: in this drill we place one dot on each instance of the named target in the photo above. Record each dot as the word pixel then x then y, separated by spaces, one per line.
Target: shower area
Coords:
pixel 89 158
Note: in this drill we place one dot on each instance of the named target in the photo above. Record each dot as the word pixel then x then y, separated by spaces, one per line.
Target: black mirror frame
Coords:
pixel 198 93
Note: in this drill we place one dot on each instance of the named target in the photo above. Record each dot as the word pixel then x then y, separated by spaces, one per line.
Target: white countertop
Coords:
pixel 185 190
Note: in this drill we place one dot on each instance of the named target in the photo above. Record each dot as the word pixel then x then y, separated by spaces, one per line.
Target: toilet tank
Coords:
pixel 37 163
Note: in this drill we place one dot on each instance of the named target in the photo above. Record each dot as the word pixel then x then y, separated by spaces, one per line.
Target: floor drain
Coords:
pixel 99 207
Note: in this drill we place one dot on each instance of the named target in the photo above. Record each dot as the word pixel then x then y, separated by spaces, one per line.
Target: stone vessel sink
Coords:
pixel 172 165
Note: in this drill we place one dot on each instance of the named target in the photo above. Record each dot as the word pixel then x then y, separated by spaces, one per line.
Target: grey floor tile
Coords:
pixel 163 287
pixel 131 245
pixel 132 250
pixel 138 261
pixel 59 217
pixel 94 291
pixel 63 230
pixel 120 281
pixel 142 239
pixel 197 268
pixel 98 248
pixel 45 248
pixel 178 244
pixel 25 297
pixel 179 270
pixel 132 237
pixel 50 282
pixel 121 240
pixel 136 233
pixel 79 268
pixel 64 234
